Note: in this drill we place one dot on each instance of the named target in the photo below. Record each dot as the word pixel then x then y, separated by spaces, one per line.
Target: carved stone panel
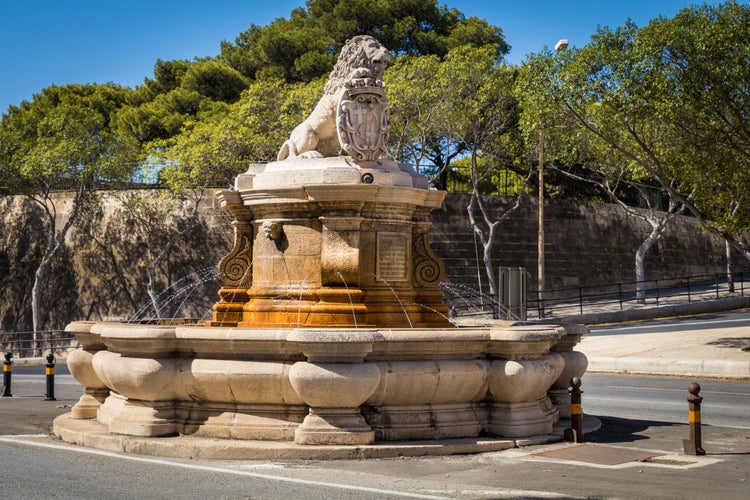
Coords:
pixel 428 268
pixel 234 268
pixel 392 257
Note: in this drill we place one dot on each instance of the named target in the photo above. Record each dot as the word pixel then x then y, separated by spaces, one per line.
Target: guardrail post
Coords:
pixel 693 446
pixel 575 433
pixel 50 373
pixel 7 370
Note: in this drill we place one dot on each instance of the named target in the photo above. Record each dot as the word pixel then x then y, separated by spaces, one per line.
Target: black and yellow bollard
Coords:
pixel 575 433
pixel 50 372
pixel 7 371
pixel 693 445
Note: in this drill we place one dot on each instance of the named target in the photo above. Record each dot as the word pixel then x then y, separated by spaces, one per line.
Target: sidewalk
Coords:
pixel 717 353
pixel 706 353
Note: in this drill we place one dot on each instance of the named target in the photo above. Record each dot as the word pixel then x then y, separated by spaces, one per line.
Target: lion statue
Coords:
pixel 316 137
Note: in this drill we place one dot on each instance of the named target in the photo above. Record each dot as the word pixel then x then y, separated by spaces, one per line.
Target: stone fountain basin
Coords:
pixel 325 385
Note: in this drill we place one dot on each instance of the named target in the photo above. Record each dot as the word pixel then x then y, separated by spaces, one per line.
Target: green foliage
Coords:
pixel 163 117
pixel 63 139
pixel 414 107
pixel 252 130
pixel 704 53
pixel 304 46
pixel 663 105
pixel 214 79
pixel 167 76
pixel 444 109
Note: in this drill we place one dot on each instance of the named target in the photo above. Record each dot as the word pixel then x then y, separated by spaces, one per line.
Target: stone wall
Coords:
pixel 102 271
pixel 585 244
pixel 102 274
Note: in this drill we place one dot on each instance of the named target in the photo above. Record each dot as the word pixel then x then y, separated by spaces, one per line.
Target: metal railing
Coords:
pixel 625 295
pixel 466 302
pixel 31 345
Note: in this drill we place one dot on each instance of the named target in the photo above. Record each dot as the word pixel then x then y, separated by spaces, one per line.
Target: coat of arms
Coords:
pixel 363 118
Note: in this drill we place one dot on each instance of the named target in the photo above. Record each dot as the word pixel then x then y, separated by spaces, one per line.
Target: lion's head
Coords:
pixel 362 51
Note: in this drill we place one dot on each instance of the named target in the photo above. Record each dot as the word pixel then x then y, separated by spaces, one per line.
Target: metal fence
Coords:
pixel 626 295
pixel 38 344
pixel 584 299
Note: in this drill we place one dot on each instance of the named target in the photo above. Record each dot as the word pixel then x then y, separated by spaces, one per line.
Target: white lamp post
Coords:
pixel 559 46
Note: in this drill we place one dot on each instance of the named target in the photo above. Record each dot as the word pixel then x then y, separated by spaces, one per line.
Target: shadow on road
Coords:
pixel 623 430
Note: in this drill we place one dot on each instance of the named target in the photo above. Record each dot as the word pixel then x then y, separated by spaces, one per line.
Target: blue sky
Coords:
pixel 45 42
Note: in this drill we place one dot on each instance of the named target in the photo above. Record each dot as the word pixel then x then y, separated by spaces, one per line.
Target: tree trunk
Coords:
pixel 36 291
pixel 640 263
pixel 730 268
pixel 640 275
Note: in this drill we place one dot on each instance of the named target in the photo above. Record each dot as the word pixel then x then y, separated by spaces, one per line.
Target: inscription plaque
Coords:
pixel 392 255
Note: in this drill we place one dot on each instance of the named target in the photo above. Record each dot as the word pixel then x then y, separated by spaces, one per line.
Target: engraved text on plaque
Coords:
pixel 392 256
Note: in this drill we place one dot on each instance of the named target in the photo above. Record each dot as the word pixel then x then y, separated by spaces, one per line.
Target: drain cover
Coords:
pixel 597 454
pixel 666 461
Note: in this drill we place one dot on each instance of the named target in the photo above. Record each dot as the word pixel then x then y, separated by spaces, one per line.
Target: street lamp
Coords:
pixel 559 46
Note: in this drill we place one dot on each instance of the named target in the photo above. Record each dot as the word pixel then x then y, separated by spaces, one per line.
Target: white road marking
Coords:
pixel 208 468
pixel 27 439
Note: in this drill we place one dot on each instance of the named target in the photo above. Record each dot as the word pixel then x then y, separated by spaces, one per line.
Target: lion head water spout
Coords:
pixel 330 328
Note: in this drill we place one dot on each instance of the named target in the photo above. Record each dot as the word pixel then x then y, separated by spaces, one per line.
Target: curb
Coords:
pixel 739 370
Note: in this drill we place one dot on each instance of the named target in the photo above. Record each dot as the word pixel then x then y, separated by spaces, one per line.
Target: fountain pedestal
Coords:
pixel 333 243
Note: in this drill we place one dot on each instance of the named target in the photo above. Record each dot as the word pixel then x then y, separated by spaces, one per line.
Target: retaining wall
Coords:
pixel 101 273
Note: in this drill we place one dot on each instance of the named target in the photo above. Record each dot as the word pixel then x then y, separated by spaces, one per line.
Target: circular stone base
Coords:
pixel 91 433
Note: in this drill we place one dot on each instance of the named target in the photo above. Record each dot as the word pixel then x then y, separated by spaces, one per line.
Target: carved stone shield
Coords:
pixel 363 120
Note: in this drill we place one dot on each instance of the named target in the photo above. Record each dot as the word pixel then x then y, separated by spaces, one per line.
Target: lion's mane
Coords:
pixel 353 55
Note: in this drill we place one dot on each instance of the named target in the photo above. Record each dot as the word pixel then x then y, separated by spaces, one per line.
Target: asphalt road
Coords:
pixel 642 414
pixel 726 403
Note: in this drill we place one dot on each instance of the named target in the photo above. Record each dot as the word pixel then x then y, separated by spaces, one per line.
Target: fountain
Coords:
pixel 330 337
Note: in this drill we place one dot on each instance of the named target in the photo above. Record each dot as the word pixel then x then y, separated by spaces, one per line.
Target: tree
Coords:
pixel 214 79
pixel 667 103
pixel 479 115
pixel 605 107
pixel 703 52
pixel 161 118
pixel 414 108
pixel 62 141
pixel 459 109
pixel 249 131
pixel 614 177
pixel 304 46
